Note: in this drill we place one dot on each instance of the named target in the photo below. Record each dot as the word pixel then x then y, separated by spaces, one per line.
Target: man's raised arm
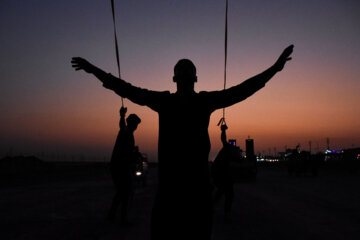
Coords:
pixel 247 88
pixel 81 64
pixel 122 123
pixel 223 134
pixel 122 88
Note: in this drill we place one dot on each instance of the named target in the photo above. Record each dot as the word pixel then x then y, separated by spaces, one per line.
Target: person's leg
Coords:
pixel 127 195
pixel 114 206
pixel 124 208
pixel 218 194
pixel 229 196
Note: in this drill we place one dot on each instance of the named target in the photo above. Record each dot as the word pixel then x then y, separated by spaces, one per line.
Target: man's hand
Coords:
pixel 284 57
pixel 123 111
pixel 81 64
pixel 224 127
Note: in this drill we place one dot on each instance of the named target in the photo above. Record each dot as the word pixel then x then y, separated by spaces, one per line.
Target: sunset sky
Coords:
pixel 48 107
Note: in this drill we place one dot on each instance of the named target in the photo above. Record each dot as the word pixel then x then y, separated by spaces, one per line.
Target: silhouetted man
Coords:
pixel 222 175
pixel 183 204
pixel 122 165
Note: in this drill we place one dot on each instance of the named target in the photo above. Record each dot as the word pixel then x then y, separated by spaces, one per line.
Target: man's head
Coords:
pixel 132 121
pixel 185 72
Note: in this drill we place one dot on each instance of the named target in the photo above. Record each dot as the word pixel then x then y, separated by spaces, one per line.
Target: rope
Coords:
pixel 222 120
pixel 116 46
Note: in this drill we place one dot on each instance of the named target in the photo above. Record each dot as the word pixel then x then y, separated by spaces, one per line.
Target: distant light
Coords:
pixel 336 151
pixel 232 142
pixel 271 160
pixel 138 173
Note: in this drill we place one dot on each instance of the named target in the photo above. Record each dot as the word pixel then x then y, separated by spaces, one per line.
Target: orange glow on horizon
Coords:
pixel 282 113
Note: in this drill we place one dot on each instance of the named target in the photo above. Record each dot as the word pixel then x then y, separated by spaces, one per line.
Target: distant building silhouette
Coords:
pixel 250 151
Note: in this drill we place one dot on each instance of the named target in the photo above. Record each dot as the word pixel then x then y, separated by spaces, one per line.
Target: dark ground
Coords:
pixel 70 201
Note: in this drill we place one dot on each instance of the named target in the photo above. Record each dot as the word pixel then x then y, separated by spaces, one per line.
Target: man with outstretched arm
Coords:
pixel 183 204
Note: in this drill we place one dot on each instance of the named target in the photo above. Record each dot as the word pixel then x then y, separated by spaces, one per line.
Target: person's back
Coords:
pixel 187 141
pixel 184 196
pixel 220 170
pixel 121 158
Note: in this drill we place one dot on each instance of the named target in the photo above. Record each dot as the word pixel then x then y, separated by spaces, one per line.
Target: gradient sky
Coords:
pixel 48 107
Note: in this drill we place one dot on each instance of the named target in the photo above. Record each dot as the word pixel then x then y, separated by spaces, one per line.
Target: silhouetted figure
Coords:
pixel 122 165
pixel 183 204
pixel 221 173
pixel 295 162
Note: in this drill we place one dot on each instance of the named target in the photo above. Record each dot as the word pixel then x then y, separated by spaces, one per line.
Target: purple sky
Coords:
pixel 47 107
